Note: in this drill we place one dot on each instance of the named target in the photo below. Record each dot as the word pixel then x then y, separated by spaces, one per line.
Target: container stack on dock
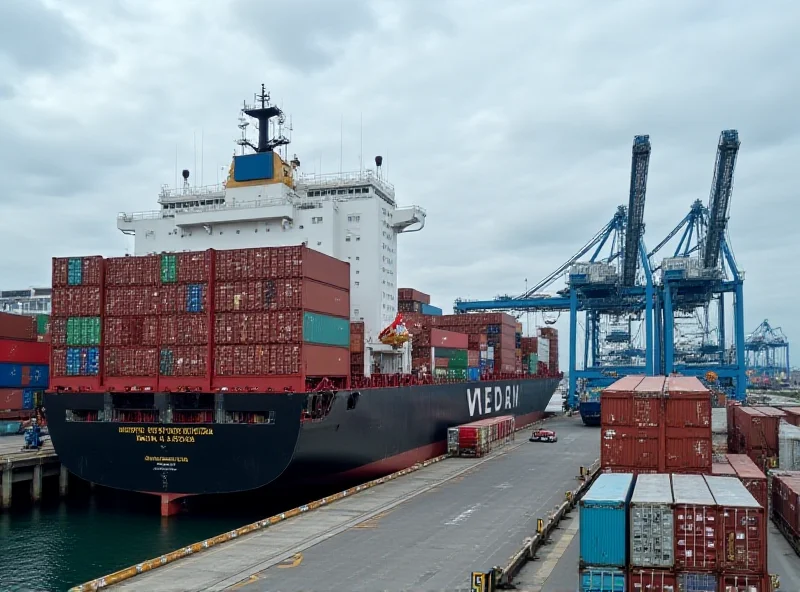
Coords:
pixel 266 318
pixel 480 437
pixel 786 505
pixel 656 424
pixel 669 532
pixel 23 370
pixel 743 468
pixel 754 431
pixel 788 447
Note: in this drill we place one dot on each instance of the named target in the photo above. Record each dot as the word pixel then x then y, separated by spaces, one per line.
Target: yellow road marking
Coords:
pixel 294 561
pixel 372 522
pixel 244 583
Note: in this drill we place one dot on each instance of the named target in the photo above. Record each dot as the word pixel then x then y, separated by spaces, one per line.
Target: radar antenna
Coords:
pixel 262 111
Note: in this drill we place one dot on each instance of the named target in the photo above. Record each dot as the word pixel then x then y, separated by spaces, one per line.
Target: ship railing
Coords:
pixel 335 179
pixel 226 207
pixel 187 192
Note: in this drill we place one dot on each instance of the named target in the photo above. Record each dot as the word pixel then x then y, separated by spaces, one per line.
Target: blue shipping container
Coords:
pixel 251 167
pixel 27 398
pixel 604 521
pixel 697 582
pixel 595 579
pixel 194 298
pixel 75 271
pixel 11 376
pixel 83 361
pixel 10 428
pixel 473 374
pixel 431 310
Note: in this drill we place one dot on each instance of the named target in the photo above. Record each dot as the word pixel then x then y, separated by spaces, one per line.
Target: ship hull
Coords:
pixel 590 412
pixel 364 434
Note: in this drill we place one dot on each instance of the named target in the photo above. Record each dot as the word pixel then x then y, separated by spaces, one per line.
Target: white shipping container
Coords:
pixel 652 522
pixel 543 348
pixel 788 447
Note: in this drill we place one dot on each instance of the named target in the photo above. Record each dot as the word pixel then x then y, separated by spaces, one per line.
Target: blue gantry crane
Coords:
pixel 690 320
pixel 767 356
pixel 613 287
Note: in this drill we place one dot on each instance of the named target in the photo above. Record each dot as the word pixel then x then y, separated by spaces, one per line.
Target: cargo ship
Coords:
pixel 253 339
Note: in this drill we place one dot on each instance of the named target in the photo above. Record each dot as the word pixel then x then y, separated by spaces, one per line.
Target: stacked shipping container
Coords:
pixel 754 431
pixel 656 424
pixel 500 331
pixel 742 467
pixel 251 319
pixel 357 349
pixel 480 437
pixel 23 367
pixel 786 505
pixel 550 335
pixel 691 533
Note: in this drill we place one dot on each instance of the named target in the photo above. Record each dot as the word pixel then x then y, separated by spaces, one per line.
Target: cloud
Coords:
pixel 511 126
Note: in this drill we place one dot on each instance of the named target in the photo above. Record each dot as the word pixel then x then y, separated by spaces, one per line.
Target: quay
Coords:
pixel 426 530
pixel 28 466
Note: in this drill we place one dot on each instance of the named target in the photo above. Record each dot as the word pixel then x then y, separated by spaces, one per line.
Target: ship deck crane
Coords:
pixel 767 356
pixel 697 277
pixel 602 287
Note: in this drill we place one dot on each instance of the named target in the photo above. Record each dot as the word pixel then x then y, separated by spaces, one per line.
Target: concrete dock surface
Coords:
pixel 424 531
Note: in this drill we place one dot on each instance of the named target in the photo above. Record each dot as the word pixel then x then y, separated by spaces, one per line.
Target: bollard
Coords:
pixel 539 525
pixel 482 581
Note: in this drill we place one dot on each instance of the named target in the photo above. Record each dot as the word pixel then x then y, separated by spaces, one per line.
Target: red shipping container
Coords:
pixel 259 328
pixel 187 329
pixel 183 361
pixel 742 529
pixel 686 386
pixel 441 362
pixel 259 360
pixel 281 262
pixel 473 358
pixel 325 360
pixel 194 267
pixel 58 331
pixel 754 480
pixel 723 469
pixel 630 447
pixel 259 295
pixel 11 399
pixel 696 524
pixel 627 410
pixel 14 326
pixel 449 339
pixel 356 342
pixel 410 294
pixel 357 327
pixel 689 413
pixel 792 415
pixel 133 271
pixel 756 433
pixel 24 352
pixel 130 331
pixel 744 583
pixel 786 502
pixel 651 580
pixel 325 299
pixel 130 362
pixel 77 301
pixel 625 385
pixel 686 450
pixel 91 271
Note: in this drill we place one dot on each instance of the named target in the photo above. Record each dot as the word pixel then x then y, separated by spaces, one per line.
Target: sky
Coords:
pixel 512 125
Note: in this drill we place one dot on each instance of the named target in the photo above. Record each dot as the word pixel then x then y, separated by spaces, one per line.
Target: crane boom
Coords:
pixel 719 200
pixel 640 161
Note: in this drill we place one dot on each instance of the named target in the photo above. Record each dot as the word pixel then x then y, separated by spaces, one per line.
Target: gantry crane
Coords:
pixel 616 286
pixel 693 283
pixel 767 355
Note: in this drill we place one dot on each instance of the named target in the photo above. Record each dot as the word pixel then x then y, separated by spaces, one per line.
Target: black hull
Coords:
pixel 373 433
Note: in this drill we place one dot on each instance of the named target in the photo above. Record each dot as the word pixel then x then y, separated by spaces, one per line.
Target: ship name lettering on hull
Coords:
pixel 488 399
pixel 167 435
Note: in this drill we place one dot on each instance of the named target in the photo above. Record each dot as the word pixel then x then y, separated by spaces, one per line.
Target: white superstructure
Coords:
pixel 350 216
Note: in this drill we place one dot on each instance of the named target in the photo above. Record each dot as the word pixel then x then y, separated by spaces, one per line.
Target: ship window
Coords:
pixel 357 283
pixel 341 192
pixel 357 272
pixel 349 191
pixel 358 258
pixel 316 220
pixel 347 239
pixel 358 238
pixel 237 232
pixel 319 243
pixel 301 227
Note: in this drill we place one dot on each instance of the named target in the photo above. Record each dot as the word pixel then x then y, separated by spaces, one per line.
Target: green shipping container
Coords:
pixel 169 269
pixel 42 324
pixel 83 331
pixel 458 360
pixel 325 330
pixel 449 353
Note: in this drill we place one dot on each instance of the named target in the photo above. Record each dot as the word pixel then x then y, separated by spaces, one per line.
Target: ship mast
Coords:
pixel 262 111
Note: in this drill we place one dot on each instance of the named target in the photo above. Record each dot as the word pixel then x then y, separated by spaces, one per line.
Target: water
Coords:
pixel 90 534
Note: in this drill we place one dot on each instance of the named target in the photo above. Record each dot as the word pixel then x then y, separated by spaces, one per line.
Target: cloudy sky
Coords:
pixel 510 122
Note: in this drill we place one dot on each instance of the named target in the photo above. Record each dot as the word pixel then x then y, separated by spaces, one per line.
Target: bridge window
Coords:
pixel 316 220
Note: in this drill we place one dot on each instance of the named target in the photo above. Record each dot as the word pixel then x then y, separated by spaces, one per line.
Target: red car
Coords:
pixel 543 436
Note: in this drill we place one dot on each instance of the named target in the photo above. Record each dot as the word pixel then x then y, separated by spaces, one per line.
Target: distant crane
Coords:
pixel 767 354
